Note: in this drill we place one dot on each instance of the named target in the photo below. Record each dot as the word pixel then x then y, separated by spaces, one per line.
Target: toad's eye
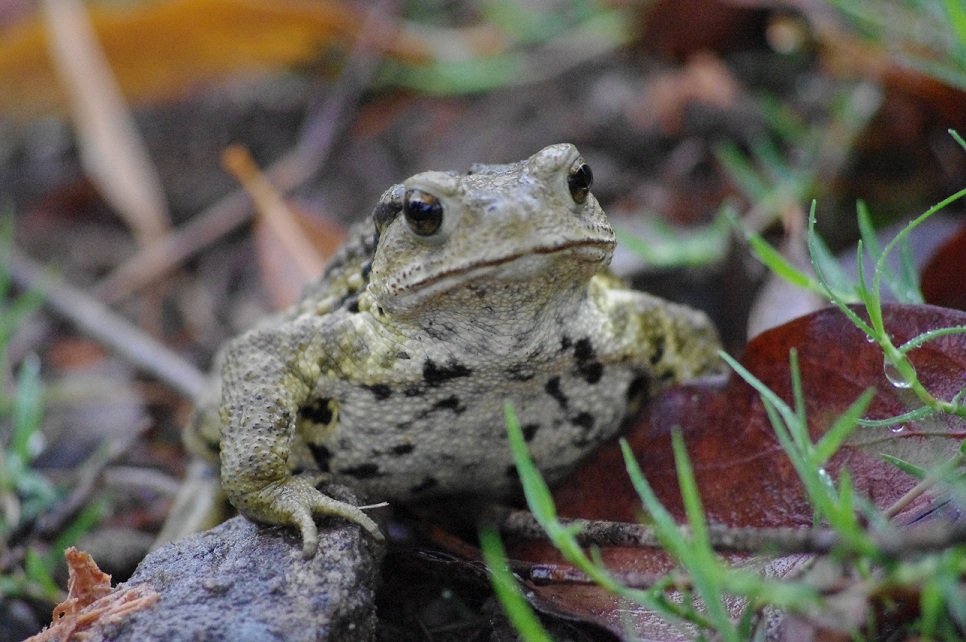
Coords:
pixel 579 180
pixel 423 212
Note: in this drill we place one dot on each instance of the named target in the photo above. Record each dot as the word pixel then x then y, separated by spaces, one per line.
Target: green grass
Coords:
pixel 583 30
pixel 26 494
pixel 926 35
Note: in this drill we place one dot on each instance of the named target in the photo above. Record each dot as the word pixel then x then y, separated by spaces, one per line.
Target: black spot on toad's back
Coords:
pixel 584 350
pixel 317 411
pixel 553 389
pixel 587 366
pixel 451 403
pixel 380 391
pixel 529 431
pixel 362 471
pixel 585 420
pixel 413 391
pixel 321 455
pixel 565 343
pixel 591 372
pixel 436 374
pixel 403 449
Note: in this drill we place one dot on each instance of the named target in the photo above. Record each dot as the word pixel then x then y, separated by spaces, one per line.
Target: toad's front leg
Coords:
pixel 267 376
pixel 671 343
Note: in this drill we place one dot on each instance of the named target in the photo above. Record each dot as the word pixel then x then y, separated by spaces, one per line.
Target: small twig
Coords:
pixel 90 473
pixel 564 574
pixel 895 543
pixel 176 247
pixel 109 328
pixel 273 210
pixel 457 550
pixel 111 148
pixel 319 134
pixel 141 479
pixel 316 141
pixel 591 532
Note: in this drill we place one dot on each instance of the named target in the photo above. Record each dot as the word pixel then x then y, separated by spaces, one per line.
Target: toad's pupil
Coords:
pixel 423 212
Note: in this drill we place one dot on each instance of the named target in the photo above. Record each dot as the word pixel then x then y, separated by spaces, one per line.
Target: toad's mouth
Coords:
pixel 586 251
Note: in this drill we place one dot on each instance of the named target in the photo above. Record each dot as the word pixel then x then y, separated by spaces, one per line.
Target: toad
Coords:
pixel 464 292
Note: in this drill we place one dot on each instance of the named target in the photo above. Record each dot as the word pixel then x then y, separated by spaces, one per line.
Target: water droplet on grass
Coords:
pixel 894 376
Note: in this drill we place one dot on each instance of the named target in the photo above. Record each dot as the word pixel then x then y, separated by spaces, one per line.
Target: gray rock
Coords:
pixel 241 582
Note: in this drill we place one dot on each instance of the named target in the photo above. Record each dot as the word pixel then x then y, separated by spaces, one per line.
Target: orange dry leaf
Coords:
pixel 273 210
pixel 86 582
pixel 90 600
pixel 160 49
pixel 292 247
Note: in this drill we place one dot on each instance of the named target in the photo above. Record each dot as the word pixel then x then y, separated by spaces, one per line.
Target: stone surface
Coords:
pixel 243 582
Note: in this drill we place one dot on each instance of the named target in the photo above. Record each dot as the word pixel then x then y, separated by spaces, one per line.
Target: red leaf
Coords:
pixel 944 277
pixel 744 476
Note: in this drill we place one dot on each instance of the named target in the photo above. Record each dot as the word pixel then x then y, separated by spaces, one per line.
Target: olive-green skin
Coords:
pixel 391 374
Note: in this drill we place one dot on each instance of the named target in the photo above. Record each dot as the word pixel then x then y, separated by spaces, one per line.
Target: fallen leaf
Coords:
pixel 744 477
pixel 944 276
pixel 90 601
pixel 113 151
pixel 159 50
pixel 293 247
pixel 86 582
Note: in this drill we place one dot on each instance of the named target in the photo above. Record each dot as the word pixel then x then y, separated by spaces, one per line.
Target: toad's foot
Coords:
pixel 295 502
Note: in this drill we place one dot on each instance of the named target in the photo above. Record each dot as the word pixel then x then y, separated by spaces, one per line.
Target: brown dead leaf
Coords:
pixel 944 277
pixel 86 582
pixel 731 441
pixel 158 50
pixel 90 601
pixel 743 475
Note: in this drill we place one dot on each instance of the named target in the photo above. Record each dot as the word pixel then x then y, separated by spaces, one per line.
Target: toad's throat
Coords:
pixel 592 251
